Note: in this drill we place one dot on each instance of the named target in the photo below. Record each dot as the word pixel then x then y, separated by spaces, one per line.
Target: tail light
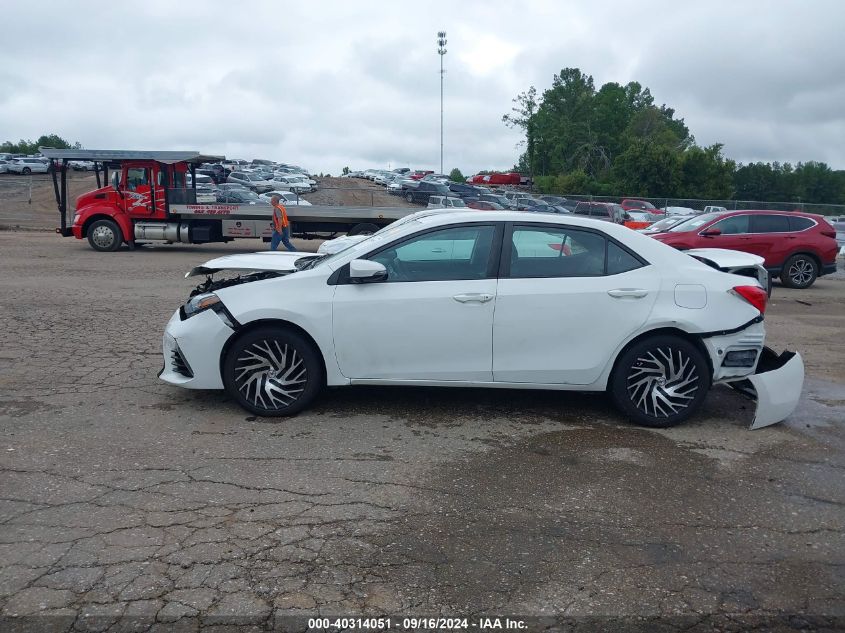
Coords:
pixel 829 232
pixel 754 295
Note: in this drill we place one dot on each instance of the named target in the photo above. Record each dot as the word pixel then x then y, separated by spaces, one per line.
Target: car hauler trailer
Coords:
pixel 148 199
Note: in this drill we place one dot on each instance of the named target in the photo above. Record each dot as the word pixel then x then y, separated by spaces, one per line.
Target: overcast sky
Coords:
pixel 328 84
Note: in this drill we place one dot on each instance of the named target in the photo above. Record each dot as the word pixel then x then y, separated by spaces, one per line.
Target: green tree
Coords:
pixel 456 176
pixel 522 116
pixel 345 170
pixel 704 173
pixel 31 147
pixel 647 168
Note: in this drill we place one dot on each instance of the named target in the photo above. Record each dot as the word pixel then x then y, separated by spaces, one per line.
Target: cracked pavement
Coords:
pixel 124 500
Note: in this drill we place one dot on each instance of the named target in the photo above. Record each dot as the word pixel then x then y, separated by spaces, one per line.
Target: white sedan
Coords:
pixel 287 198
pixel 483 299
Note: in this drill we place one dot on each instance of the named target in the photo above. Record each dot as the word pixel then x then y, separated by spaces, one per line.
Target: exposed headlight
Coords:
pixel 207 301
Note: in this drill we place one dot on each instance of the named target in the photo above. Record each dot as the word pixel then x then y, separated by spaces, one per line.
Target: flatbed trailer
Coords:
pixel 148 199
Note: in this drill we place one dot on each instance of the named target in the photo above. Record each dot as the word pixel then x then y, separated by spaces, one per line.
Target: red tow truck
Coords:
pixel 148 199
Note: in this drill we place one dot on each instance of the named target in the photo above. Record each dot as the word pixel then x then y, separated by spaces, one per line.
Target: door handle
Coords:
pixel 475 297
pixel 633 293
pixel 438 250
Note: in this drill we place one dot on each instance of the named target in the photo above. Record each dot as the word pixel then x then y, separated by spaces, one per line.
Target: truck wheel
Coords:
pixel 104 236
pixel 365 228
pixel 799 271
pixel 660 381
pixel 26 171
pixel 409 197
pixel 273 371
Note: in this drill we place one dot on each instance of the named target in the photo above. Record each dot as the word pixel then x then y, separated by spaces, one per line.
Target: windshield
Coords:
pixel 694 223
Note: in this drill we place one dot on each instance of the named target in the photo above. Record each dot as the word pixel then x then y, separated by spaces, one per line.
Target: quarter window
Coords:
pixel 799 223
pixel 448 254
pixel 619 260
pixel 769 224
pixel 733 225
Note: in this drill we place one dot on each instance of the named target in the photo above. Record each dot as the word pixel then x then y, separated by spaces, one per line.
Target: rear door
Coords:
pixel 566 300
pixel 769 237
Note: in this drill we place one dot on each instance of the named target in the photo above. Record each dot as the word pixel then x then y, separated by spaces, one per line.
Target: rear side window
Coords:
pixel 799 223
pixel 538 251
pixel 769 224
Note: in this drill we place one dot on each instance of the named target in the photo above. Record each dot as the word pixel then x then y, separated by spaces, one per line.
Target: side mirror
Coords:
pixel 364 271
pixel 711 232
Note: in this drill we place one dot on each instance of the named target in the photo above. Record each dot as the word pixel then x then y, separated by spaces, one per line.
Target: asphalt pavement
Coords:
pixel 128 503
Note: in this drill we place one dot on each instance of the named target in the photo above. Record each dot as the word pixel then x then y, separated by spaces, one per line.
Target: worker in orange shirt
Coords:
pixel 281 226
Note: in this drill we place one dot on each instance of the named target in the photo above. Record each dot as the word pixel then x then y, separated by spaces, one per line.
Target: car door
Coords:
pixel 769 237
pixel 432 318
pixel 567 298
pixel 733 234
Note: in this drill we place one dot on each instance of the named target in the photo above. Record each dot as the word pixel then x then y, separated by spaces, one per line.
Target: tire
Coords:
pixel 104 236
pixel 799 271
pixel 364 228
pixel 26 171
pixel 645 369
pixel 409 197
pixel 258 386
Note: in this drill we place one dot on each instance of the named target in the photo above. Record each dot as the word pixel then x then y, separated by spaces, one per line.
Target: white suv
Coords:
pixel 28 166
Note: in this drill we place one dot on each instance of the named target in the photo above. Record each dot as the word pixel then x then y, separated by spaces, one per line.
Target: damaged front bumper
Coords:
pixel 775 386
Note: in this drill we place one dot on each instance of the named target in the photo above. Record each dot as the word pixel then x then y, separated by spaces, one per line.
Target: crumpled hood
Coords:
pixel 280 261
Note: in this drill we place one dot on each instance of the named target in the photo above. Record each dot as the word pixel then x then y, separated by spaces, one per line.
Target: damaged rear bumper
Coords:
pixel 776 386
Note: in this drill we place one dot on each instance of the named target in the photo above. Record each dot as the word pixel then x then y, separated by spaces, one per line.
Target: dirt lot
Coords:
pixel 125 502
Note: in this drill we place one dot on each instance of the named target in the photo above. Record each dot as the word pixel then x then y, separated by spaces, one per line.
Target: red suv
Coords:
pixel 632 204
pixel 797 247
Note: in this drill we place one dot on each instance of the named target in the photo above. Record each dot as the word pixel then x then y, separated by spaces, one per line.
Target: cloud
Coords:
pixel 333 84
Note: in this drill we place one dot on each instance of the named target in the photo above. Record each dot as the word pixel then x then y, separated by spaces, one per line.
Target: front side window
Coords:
pixel 443 255
pixel 556 252
pixel 137 177
pixel 734 225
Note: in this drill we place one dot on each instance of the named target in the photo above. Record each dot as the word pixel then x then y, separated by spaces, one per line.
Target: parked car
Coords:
pixel 419 174
pixel 26 166
pixel 467 192
pixel 414 305
pixel 664 225
pixel 287 198
pixel 511 178
pixel 484 205
pixel 250 181
pixel 640 219
pixel 235 196
pixel 424 191
pixel 4 165
pixel 206 194
pixel 446 202
pixel 399 185
pixel 497 199
pixel 797 247
pixel 231 186
pixel 714 209
pixel 288 183
pixel 632 204
pixel 602 211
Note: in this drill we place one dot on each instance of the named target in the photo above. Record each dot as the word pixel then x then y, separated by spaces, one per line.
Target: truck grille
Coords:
pixel 180 365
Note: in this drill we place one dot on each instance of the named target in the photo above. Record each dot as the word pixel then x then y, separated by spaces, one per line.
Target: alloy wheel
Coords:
pixel 103 236
pixel 270 375
pixel 801 272
pixel 663 382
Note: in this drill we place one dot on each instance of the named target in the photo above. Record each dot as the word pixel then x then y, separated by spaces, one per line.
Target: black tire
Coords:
pixel 273 350
pixel 104 236
pixel 799 271
pixel 645 369
pixel 409 197
pixel 26 171
pixel 365 228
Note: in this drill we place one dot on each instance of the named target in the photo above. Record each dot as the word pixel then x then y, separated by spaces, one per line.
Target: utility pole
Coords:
pixel 441 50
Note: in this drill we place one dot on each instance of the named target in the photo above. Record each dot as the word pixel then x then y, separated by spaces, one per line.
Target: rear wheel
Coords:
pixel 26 171
pixel 273 372
pixel 409 197
pixel 104 236
pixel 660 381
pixel 799 271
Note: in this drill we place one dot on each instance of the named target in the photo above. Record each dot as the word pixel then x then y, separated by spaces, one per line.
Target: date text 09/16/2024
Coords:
pixel 411 623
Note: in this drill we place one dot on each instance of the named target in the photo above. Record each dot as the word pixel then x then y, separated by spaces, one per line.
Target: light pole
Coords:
pixel 441 50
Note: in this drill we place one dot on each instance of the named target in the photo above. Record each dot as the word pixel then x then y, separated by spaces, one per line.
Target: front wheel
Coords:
pixel 273 372
pixel 409 197
pixel 660 381
pixel 104 236
pixel 799 271
pixel 26 171
pixel 365 228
